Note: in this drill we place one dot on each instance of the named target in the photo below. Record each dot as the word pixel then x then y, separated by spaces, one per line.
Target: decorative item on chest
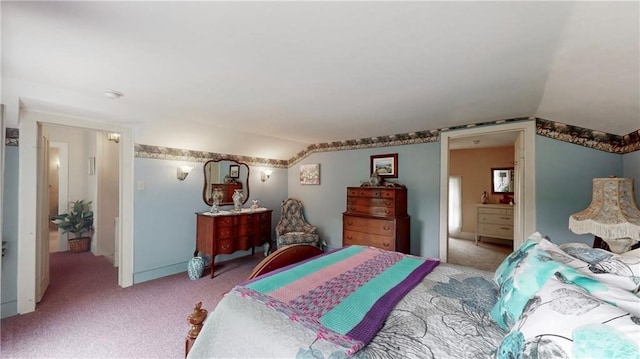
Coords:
pixel 237 200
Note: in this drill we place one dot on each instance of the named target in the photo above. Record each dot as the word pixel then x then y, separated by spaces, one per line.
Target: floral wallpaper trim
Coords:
pixel 370 142
pixel 589 138
pixel 391 140
pixel 556 130
pixel 167 153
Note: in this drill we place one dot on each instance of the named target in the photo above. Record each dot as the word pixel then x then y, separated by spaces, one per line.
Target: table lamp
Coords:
pixel 613 214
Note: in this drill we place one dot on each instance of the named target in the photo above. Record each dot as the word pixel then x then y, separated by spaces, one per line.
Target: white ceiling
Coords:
pixel 311 72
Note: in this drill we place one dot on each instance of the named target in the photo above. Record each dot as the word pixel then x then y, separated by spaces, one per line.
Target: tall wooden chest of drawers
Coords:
pixel 494 220
pixel 377 217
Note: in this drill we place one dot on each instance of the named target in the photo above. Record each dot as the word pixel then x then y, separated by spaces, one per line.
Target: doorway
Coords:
pixel 30 123
pixel 524 209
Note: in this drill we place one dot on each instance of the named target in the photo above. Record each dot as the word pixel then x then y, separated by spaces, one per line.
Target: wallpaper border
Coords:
pixel 168 153
pixel 555 130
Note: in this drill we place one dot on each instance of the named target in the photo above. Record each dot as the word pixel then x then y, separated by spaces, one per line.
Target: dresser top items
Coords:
pixel 233 213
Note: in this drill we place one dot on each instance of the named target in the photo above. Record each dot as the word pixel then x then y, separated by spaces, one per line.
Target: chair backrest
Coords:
pixel 291 216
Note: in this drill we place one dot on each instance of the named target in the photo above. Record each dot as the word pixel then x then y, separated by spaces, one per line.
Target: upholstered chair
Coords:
pixel 293 228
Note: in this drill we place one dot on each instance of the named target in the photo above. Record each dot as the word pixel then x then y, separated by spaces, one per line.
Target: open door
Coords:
pixel 519 234
pixel 42 224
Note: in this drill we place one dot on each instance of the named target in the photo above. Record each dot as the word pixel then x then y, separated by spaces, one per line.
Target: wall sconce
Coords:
pixel 112 136
pixel 183 172
pixel 264 175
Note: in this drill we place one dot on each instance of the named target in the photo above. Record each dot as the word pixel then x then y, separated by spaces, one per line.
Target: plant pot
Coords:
pixel 79 245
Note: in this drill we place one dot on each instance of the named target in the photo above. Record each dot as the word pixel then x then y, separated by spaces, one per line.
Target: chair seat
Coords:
pixel 298 237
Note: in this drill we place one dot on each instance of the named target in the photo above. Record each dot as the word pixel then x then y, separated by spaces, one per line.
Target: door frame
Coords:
pixel 524 207
pixel 27 199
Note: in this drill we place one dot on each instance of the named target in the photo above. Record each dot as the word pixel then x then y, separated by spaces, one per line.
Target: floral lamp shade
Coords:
pixel 613 214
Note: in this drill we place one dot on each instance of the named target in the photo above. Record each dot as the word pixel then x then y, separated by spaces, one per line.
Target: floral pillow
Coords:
pixel 563 321
pixel 622 270
pixel 537 264
pixel 527 276
pixel 509 264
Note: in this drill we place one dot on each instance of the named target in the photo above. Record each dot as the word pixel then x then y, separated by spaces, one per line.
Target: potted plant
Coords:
pixel 78 221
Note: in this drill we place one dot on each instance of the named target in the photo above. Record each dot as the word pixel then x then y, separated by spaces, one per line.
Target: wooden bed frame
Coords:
pixel 281 258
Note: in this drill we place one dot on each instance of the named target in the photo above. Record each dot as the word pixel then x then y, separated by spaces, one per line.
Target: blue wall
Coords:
pixel 631 165
pixel 418 169
pixel 564 174
pixel 164 224
pixel 164 212
pixel 10 233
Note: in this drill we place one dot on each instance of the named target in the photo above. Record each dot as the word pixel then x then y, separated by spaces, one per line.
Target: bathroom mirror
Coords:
pixel 502 180
pixel 228 175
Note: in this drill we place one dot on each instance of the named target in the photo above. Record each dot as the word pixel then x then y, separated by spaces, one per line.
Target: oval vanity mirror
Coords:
pixel 225 176
pixel 502 180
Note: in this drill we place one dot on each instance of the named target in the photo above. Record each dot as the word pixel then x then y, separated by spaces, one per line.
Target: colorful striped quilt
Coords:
pixel 343 296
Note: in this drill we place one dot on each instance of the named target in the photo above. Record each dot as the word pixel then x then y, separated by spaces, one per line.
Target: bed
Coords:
pixel 541 302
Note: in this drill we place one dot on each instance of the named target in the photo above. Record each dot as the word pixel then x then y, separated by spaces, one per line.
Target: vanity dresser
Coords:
pixel 228 231
pixel 377 216
pixel 495 221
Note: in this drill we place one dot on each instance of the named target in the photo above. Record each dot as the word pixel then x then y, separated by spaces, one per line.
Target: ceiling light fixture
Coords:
pixel 112 94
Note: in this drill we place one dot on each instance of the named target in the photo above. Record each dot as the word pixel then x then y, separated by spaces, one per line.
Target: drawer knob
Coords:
pixel 386 228
pixel 386 244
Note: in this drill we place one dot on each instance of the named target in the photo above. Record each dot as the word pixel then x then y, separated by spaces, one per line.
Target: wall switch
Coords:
pixel 140 185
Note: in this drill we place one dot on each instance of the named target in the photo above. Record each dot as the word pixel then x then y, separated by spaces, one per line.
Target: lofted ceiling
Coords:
pixel 301 73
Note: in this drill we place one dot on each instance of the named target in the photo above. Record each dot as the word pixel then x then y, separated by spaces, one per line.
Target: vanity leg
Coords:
pixel 477 239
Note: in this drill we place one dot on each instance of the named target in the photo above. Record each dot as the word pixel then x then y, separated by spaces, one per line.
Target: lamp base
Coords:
pixel 616 245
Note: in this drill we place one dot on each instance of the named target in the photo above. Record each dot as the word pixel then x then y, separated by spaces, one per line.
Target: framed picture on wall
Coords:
pixel 385 166
pixel 310 174
pixel 234 171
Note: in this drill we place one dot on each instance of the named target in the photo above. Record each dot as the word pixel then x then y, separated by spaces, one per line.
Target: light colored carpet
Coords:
pixel 486 256
pixel 84 314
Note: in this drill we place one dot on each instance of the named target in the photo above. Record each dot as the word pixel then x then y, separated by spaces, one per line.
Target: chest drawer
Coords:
pixel 487 210
pixel 370 192
pixel 366 239
pixel 495 218
pixel 371 210
pixel 496 230
pixel 494 221
pixel 366 225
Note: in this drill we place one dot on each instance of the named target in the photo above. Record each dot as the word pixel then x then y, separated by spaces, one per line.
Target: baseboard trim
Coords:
pixel 9 309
